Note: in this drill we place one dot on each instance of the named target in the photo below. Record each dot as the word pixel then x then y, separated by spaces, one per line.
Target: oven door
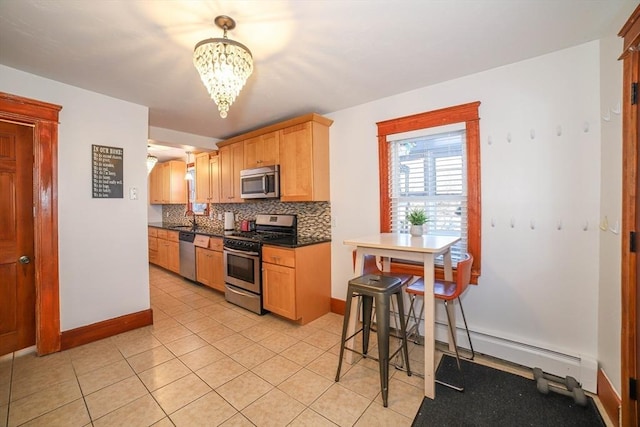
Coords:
pixel 242 269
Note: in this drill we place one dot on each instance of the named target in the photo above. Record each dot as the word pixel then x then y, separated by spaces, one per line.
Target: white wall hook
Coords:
pixel 616 229
pixel 607 117
pixel 616 109
pixel 559 130
pixel 532 134
pixel 585 127
pixel 532 225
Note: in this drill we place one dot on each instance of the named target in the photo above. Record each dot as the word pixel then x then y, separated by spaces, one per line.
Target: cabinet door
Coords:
pixel 270 148
pixel 203 190
pixel 166 182
pixel 155 185
pixel 252 152
pixel 231 163
pixel 304 163
pixel 153 250
pixel 204 266
pixel 214 179
pixel 177 184
pixel 163 253
pixel 218 271
pixel 279 290
pixel 173 257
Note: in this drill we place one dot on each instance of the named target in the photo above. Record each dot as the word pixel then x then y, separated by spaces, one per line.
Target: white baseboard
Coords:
pixel 583 369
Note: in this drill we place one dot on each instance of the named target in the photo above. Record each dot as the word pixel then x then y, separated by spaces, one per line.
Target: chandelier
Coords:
pixel 224 66
pixel 151 162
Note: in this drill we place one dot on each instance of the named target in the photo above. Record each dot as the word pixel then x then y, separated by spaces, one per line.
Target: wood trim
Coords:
pixel 608 398
pixel 467 113
pixel 338 306
pixel 44 118
pixel 312 117
pixel 105 329
pixel 629 261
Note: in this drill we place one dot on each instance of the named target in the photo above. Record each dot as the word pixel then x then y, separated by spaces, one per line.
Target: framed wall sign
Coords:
pixel 107 182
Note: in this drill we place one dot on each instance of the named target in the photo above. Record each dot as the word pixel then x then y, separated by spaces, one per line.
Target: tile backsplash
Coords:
pixel 314 218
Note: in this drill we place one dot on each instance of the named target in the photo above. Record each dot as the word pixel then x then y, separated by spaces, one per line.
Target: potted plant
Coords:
pixel 417 217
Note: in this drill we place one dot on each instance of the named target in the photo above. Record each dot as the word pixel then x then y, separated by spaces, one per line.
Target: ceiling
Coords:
pixel 309 56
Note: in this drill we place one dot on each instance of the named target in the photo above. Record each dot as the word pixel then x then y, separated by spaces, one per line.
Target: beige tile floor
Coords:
pixel 205 362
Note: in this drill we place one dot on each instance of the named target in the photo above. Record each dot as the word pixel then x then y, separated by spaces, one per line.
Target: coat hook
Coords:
pixel 559 130
pixel 616 110
pixel 604 224
pixel 489 140
pixel 532 224
pixel 508 136
pixel 532 134
pixel 559 225
pixel 607 117
pixel 585 227
pixel 493 222
pixel 513 223
pixel 616 229
pixel 585 127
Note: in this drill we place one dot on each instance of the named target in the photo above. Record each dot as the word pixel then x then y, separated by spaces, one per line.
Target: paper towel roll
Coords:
pixel 228 221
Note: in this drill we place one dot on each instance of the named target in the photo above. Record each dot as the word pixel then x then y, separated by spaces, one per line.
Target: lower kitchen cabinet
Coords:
pixel 296 283
pixel 209 264
pixel 164 249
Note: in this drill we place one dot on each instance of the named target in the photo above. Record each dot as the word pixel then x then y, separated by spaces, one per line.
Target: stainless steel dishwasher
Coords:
pixel 187 255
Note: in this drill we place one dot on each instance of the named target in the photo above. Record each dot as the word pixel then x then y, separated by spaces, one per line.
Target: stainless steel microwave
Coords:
pixel 260 183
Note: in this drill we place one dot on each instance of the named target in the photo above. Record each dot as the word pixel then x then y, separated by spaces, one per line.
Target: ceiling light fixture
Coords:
pixel 224 66
pixel 151 161
pixel 189 175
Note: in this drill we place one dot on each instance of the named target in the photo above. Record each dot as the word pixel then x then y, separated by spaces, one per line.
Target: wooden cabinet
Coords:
pixel 167 184
pixel 164 249
pixel 155 186
pixel 209 263
pixel 207 178
pixel 296 283
pixel 304 162
pixel 262 150
pixel 231 163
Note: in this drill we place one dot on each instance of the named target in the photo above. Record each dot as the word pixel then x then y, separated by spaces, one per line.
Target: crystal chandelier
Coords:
pixel 224 66
pixel 151 162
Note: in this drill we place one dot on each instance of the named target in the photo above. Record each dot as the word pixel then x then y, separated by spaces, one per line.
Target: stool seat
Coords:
pixel 377 283
pixel 381 288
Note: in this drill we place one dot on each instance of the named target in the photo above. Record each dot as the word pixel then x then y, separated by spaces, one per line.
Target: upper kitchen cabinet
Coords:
pixel 261 150
pixel 304 161
pixel 231 163
pixel 167 184
pixel 207 178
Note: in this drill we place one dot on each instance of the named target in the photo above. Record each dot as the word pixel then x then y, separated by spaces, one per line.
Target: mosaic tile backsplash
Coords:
pixel 314 218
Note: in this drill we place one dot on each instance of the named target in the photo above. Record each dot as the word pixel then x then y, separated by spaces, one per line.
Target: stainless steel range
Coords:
pixel 243 259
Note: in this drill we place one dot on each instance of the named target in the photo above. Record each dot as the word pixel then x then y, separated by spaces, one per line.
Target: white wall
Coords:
pixel 609 297
pixel 537 299
pixel 102 242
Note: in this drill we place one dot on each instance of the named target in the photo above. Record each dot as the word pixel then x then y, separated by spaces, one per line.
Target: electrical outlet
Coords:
pixel 133 193
pixel 219 217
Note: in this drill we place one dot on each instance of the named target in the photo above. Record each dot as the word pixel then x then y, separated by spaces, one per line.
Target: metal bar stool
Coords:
pixel 445 291
pixel 380 288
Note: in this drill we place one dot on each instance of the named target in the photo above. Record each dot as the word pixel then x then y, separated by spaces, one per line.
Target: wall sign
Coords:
pixel 107 172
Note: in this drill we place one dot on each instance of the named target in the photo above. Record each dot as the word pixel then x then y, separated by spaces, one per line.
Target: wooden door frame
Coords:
pixel 44 119
pixel 629 278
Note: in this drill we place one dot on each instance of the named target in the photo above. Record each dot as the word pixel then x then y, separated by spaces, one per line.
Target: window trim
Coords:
pixel 464 113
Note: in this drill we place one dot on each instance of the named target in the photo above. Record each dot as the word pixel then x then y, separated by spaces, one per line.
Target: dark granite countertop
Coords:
pixel 290 242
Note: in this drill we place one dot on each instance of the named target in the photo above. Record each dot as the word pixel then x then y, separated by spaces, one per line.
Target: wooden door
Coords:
pixel 296 163
pixel 218 270
pixel 270 149
pixel 203 180
pixel 279 289
pixel 214 179
pixel 17 271
pixel 204 266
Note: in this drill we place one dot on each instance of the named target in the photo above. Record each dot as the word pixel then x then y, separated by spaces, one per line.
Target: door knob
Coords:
pixel 24 259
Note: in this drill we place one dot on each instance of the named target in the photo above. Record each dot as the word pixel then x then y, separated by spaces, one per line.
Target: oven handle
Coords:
pixel 239 292
pixel 235 251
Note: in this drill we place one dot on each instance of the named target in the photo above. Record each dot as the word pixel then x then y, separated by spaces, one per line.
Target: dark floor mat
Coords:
pixel 497 398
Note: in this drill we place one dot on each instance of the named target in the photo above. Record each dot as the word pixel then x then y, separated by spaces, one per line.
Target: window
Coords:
pixel 429 172
pixel 423 164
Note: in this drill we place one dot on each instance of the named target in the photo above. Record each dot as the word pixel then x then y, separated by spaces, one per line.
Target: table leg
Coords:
pixel 451 307
pixel 429 328
pixel 353 315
